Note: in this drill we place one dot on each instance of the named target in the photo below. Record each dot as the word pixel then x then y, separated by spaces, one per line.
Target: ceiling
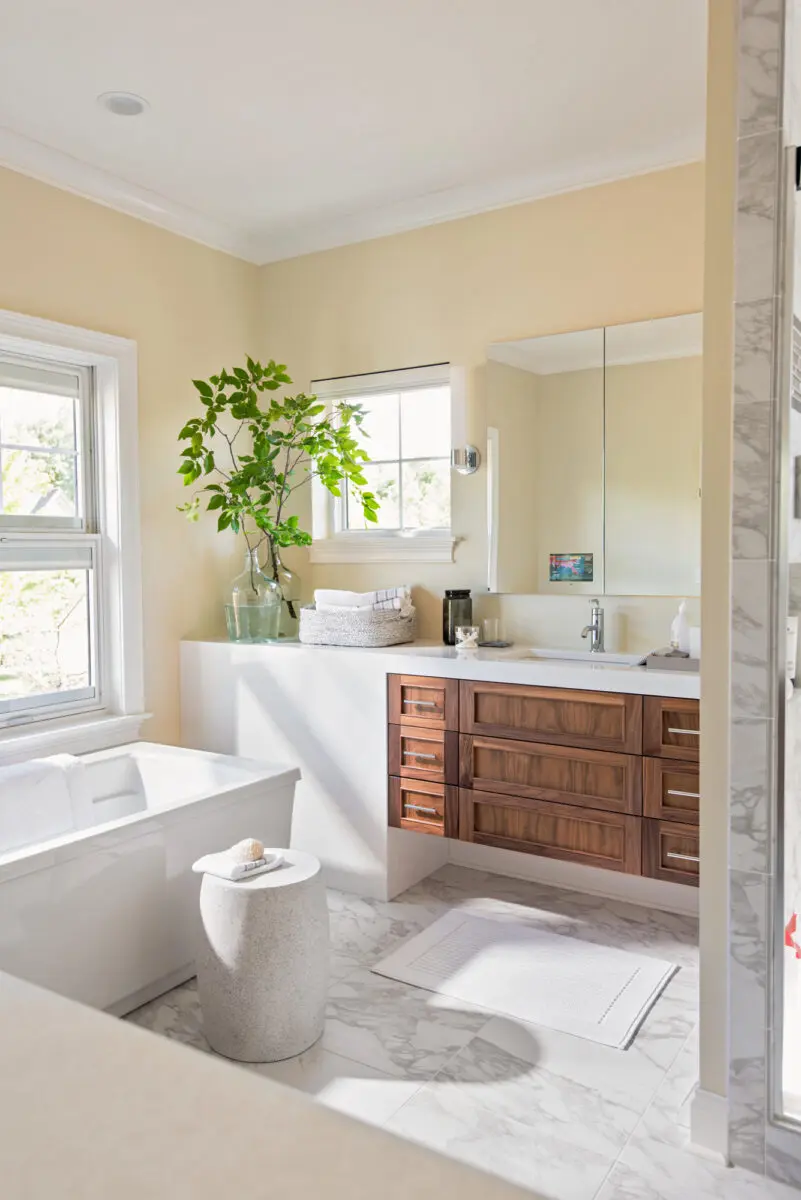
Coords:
pixel 280 128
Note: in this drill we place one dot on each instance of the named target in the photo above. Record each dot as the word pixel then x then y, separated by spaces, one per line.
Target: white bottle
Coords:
pixel 680 630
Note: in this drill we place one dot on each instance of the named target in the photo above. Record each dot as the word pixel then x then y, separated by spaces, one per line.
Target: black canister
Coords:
pixel 457 609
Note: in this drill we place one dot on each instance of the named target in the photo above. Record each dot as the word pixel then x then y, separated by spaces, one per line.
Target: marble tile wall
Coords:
pixel 754 1142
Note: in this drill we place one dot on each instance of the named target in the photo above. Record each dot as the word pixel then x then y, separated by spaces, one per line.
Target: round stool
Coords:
pixel 262 961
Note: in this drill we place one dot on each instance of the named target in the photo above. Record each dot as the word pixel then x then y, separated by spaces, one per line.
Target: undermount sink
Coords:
pixel 608 657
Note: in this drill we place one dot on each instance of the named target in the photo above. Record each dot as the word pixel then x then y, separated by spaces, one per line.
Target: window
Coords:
pixel 70 625
pixel 407 435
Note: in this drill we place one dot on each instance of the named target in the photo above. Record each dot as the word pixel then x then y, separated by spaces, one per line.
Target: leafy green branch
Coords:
pixel 256 449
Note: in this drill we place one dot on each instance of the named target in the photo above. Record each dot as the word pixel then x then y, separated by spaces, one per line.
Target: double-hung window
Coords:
pixel 49 544
pixel 407 435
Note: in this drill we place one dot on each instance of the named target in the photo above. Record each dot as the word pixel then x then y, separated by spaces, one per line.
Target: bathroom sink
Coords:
pixel 609 657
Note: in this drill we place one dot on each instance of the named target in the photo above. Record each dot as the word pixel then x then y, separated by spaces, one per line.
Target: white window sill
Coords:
pixel 372 547
pixel 69 736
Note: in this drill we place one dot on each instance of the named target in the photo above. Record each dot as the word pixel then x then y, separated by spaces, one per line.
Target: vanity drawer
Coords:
pixel 595 720
pixel 420 753
pixel 670 851
pixel 420 700
pixel 563 774
pixel 671 728
pixel 424 807
pixel 596 839
pixel 671 790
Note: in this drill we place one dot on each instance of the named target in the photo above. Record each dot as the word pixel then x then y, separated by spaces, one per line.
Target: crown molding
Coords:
pixel 29 157
pixel 452 204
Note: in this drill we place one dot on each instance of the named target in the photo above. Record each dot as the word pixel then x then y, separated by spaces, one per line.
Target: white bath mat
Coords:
pixel 542 978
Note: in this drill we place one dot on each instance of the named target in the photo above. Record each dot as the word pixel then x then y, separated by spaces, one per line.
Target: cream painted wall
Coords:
pixel 190 310
pixel 625 251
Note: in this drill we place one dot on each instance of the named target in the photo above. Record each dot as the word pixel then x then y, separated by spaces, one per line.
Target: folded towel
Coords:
pixel 384 598
pixel 224 867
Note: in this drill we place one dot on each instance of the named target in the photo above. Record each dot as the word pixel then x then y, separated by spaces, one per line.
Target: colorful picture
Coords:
pixel 571 568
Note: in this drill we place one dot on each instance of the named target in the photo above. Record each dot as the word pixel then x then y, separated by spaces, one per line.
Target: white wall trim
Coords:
pixel 34 159
pixel 114 360
pixel 612 885
pixel 71 736
pixel 290 240
pixel 709 1125
pixel 374 547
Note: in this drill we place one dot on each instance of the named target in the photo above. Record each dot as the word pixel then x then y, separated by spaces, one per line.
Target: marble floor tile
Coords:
pixel 339 1083
pixel 176 1015
pixel 655 1171
pixel 448 1120
pixel 364 930
pixel 667 1118
pixel 396 1028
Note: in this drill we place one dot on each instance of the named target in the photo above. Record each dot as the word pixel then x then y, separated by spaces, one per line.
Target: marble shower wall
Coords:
pixel 754 1143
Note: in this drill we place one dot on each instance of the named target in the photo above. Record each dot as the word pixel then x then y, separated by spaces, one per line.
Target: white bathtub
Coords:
pixel 97 900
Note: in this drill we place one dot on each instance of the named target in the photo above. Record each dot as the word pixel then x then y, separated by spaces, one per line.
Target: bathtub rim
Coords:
pixel 71 846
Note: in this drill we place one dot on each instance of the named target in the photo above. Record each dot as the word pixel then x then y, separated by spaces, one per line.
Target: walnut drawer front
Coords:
pixel 596 839
pixel 671 790
pixel 423 753
pixel 594 720
pixel 562 774
pixel 424 807
pixel 671 728
pixel 670 851
pixel 419 700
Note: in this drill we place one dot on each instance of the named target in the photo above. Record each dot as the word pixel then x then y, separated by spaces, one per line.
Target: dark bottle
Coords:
pixel 457 609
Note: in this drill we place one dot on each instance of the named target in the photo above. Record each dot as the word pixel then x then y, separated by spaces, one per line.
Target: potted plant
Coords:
pixel 253 450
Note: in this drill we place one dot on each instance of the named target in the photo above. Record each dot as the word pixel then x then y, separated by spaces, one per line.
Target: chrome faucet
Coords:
pixel 595 629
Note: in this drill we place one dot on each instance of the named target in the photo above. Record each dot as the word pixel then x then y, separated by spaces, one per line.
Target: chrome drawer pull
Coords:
pixel 686 732
pixel 417 754
pixel 689 795
pixel 421 808
pixel 422 703
pixel 683 857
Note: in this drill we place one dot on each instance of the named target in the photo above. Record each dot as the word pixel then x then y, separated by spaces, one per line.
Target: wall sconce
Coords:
pixel 466 460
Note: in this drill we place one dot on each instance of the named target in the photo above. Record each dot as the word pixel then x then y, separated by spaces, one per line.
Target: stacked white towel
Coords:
pixel 385 599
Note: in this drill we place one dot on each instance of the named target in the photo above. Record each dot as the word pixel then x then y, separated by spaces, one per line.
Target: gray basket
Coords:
pixel 347 628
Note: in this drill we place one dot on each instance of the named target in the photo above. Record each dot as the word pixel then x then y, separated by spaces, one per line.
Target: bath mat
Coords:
pixel 590 991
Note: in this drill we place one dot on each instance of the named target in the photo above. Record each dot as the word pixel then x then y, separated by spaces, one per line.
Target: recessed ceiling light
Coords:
pixel 123 104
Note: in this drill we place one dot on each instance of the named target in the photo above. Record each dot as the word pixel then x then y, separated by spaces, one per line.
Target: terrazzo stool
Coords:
pixel 262 961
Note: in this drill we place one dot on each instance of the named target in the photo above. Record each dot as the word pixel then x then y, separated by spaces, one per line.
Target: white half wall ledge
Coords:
pixel 709 1125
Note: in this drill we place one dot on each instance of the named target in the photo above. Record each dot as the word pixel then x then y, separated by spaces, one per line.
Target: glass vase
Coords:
pixel 254 612
pixel 289 585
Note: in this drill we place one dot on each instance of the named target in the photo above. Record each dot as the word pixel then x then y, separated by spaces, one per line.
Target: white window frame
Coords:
pixel 332 542
pixel 117 713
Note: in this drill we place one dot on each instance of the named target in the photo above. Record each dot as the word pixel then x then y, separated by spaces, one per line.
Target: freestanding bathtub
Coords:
pixel 97 899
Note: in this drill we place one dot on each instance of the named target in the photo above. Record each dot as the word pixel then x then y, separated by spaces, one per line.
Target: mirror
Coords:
pixel 594 459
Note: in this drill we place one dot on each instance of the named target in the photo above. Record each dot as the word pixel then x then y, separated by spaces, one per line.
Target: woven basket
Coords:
pixel 348 628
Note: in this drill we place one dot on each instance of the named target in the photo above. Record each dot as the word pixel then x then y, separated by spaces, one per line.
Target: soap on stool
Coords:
pixel 248 850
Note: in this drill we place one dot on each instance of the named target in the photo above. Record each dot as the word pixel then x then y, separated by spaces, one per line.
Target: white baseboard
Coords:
pixel 709 1125
pixel 612 885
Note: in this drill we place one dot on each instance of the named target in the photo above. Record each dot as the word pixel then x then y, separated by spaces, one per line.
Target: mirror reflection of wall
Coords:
pixel 597 452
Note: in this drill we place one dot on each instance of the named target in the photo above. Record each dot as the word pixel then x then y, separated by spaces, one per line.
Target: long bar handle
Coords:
pixel 421 808
pixel 686 732
pixel 422 703
pixel 417 754
pixel 688 795
pixel 683 857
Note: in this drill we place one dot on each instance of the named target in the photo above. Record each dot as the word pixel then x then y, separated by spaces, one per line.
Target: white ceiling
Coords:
pixel 280 128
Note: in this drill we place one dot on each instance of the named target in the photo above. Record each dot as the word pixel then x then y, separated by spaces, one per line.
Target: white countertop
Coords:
pixel 496 666
pixel 92 1108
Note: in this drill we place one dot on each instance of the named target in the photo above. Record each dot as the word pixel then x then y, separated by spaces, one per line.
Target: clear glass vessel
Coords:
pixel 254 613
pixel 290 587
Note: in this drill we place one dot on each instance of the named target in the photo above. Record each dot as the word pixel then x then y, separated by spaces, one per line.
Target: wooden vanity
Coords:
pixel 599 778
